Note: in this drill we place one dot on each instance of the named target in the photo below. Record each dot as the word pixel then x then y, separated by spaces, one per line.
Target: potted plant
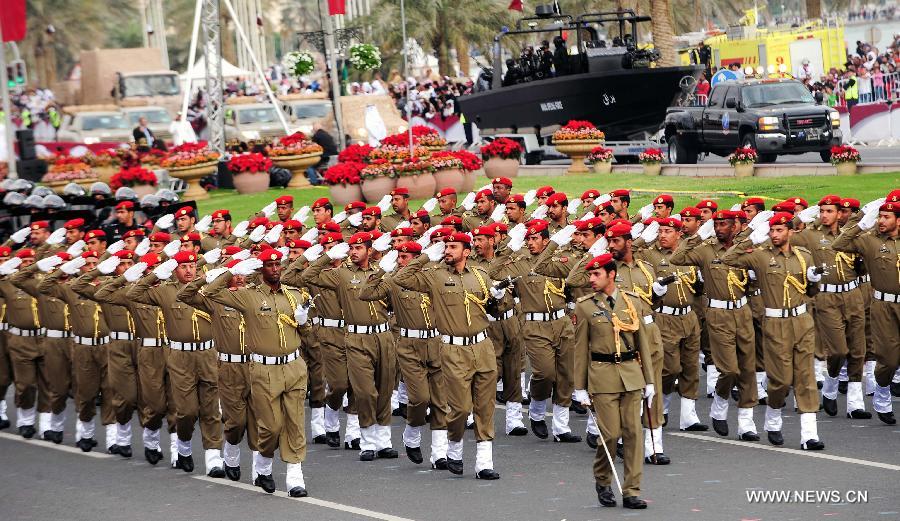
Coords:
pixel 377 179
pixel 105 163
pixel 191 162
pixel 298 63
pixel 742 159
pixel 448 170
pixel 501 157
pixel 471 165
pixel 600 160
pixel 652 159
pixel 364 57
pixel 396 153
pixel 844 159
pixel 576 139
pixel 139 179
pixel 415 174
pixel 355 153
pixel 251 172
pixel 344 182
pixel 67 169
pixel 296 153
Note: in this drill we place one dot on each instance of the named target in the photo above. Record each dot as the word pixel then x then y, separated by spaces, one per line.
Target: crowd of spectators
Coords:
pixel 36 109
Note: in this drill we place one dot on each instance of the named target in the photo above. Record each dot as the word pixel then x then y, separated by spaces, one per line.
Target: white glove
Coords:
pixel 269 209
pixel 172 248
pixel 203 224
pixel 869 219
pixel 676 216
pixel 20 236
pixel 581 396
pixel 258 233
pixel 240 230
pixel 274 234
pixel 430 205
pixel 488 186
pixel 338 251
pixel 385 203
pixel 314 252
pixel 588 216
pixel 660 289
pixel 355 219
pixel 135 272
pixel 750 273
pixel 212 275
pixel 637 229
pixel 516 243
pixel 497 293
pixel 498 212
pixel 873 205
pixel 241 255
pixel 435 252
pixel 646 212
pixel 599 247
pixel 10 266
pixel 142 248
pixel 707 230
pixel 764 215
pixel 812 275
pixel 302 214
pixel 810 214
pixel 735 207
pixel 310 236
pixel 76 248
pixel 73 266
pixel 247 267
pixel 301 314
pixel 402 224
pixel 109 265
pixel 165 222
pixel 540 212
pixel 382 243
pixel 529 197
pixel 469 202
pixel 573 207
pixel 518 231
pixel 760 234
pixel 48 263
pixel 564 236
pixel 213 256
pixel 388 263
pixel 115 247
pixel 602 200
pixel 651 232
pixel 340 217
pixel 284 251
pixel 57 236
pixel 164 270
pixel 649 391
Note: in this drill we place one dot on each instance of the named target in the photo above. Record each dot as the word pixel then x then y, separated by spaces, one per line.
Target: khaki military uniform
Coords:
pixel 24 345
pixel 390 221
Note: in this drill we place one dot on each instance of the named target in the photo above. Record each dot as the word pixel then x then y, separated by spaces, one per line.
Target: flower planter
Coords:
pixel 374 189
pixel 297 165
pixel 343 194
pixel 601 167
pixel 652 168
pixel 192 176
pixel 434 148
pixel 743 170
pixel 104 173
pixel 577 150
pixel 469 179
pixel 848 168
pixel 142 190
pixel 420 186
pixel 251 182
pixel 497 167
pixel 449 178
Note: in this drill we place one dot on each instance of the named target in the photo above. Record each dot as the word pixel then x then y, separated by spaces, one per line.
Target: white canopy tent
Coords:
pixel 198 73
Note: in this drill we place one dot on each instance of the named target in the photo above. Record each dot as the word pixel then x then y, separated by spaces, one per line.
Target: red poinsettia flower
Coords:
pixel 344 173
pixel 132 177
pixel 252 163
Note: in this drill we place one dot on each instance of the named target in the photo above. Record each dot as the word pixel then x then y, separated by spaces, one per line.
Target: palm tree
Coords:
pixel 663 31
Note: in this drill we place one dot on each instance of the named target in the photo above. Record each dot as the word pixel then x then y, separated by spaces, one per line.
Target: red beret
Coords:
pixel 184 211
pixel 618 230
pixel 360 238
pixel 799 201
pixel 689 211
pixel 269 254
pixel 90 254
pixel 37 225
pixel 150 259
pixel 321 202
pixel 137 232
pixel 598 262
pixel 64 255
pixel 329 226
pixel 222 214
pixel 784 206
pixel 127 205
pixel 5 251
pixel 25 252
pixel 664 199
pixel 516 198
pixel 500 227
pixel 754 200
pixel 372 210
pixel 830 199
pixel 124 254
pixel 443 231
pixel 184 257
pixel 621 192
pixel 332 237
pixel 95 234
pixel 741 215
pixel 271 224
pixel 452 220
pixel 232 263
pixel 409 247
pixel 671 222
pixel 160 237
pixel 545 191
pixel 588 224
pixel 487 192
pixel 893 196
pixel 355 205
pixel 298 243
pixel 557 198
pixel 781 218
pixel 231 250
pixel 400 190
pixel 536 226
pixel 890 207
pixel 459 237
pixel 375 234
pixel 502 181
pixel 487 231
pixel 291 224
pixel 708 203
pixel 590 194
pixel 724 214
pixel 851 203
pixel 446 191
pixel 258 221
pixel 402 232
pixel 74 224
pixel 193 237
pixel 419 214
pixel 285 199
pixel 618 221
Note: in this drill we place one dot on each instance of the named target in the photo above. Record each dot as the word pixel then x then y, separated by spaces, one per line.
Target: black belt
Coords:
pixel 614 358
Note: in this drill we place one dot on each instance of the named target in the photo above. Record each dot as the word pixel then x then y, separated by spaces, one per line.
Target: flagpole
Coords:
pixel 7 113
pixel 406 75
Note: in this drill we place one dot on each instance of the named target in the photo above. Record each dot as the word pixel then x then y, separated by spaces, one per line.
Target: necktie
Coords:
pixel 611 302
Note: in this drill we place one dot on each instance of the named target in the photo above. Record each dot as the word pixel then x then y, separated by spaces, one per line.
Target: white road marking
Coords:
pixel 796 452
pixel 38 442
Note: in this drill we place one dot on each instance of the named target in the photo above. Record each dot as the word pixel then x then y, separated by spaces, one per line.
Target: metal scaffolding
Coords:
pixel 212 54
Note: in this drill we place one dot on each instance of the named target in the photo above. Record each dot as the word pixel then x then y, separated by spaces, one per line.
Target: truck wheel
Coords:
pixel 749 141
pixel 825 155
pixel 679 153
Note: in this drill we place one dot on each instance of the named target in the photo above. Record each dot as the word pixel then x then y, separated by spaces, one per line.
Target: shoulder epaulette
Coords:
pixel 585 297
pixel 804 249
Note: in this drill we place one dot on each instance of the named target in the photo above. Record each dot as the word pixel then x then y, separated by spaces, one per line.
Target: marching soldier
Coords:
pixel 5 362
pixel 620 199
pixel 400 205
pixel 751 207
pixel 557 212
pixel 501 187
pixel 515 209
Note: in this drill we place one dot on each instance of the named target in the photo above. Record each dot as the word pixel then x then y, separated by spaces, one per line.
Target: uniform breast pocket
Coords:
pixel 453 296
pixel 266 319
pixel 178 312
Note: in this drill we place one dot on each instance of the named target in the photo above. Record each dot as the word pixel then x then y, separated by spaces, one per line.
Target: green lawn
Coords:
pixel 687 191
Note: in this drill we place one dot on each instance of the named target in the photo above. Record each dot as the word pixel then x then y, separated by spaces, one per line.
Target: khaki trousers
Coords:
pixel 841 328
pixel 551 352
pixel 312 355
pixel 195 380
pixel 681 353
pixel 334 356
pixel 6 369
pixel 731 339
pixel 790 349
pixel 25 354
pixel 506 335
pixel 420 365
pixel 123 381
pixel 656 358
pixel 866 289
pixel 277 393
pixel 885 325
pixel 372 368
pixel 56 373
pixel 156 393
pixel 89 368
pixel 758 310
pixel 470 374
pixel 618 415
pixel 234 398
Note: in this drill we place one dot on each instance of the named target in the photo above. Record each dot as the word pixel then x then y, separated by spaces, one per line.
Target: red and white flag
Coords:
pixel 337 7
pixel 516 5
pixel 12 16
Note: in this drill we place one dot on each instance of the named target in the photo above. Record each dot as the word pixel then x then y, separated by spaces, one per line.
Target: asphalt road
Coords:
pixel 709 479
